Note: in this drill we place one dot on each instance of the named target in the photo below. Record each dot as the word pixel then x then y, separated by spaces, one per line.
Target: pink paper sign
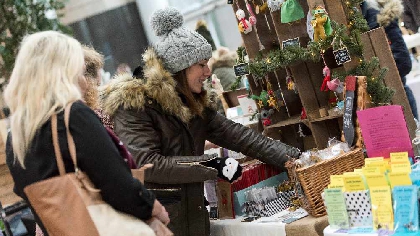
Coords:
pixel 384 130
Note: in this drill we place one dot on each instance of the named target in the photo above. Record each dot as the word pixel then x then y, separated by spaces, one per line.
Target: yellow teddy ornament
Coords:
pixel 321 23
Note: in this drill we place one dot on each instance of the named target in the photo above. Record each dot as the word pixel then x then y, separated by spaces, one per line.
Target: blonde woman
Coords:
pixel 48 75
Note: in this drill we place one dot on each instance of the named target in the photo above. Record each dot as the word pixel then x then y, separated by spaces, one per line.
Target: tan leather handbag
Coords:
pixel 69 204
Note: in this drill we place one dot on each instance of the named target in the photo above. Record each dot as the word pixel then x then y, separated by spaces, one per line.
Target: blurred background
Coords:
pixel 120 29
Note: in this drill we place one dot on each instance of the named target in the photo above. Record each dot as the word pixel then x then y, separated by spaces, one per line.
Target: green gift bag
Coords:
pixel 291 11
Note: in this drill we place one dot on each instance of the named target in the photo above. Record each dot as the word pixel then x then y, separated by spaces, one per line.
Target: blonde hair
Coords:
pixel 93 62
pixel 46 76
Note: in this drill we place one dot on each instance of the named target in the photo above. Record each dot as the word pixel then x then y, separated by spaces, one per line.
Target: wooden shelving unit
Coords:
pixel 308 76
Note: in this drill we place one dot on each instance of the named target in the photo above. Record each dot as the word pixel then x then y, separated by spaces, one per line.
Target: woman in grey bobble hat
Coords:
pixel 165 118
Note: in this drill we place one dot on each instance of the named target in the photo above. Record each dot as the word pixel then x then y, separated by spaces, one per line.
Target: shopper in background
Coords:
pixel 386 13
pixel 166 118
pixel 94 61
pixel 43 83
pixel 123 68
pixel 221 64
pixel 411 15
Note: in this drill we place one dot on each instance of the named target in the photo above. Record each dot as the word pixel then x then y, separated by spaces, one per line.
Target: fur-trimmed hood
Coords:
pixel 389 10
pixel 131 93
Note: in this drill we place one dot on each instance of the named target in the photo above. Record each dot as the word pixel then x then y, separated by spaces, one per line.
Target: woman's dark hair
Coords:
pixel 196 102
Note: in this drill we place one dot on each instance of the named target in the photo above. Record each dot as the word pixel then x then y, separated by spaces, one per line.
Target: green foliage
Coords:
pixel 22 17
pixel 379 93
pixel 236 84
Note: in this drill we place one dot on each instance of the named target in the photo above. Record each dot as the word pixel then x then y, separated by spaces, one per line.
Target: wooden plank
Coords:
pixel 293 103
pixel 267 36
pixel 313 3
pixel 231 97
pixel 368 51
pixel 392 79
pixel 290 31
pixel 316 78
pixel 306 90
pixel 336 11
pixel 320 133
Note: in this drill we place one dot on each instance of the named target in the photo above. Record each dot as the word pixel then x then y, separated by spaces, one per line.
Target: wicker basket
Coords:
pixel 314 179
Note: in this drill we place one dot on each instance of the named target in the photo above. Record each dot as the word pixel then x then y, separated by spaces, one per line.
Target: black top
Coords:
pixel 97 156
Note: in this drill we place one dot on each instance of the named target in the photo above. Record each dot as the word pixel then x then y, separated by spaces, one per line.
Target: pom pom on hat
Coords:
pixel 165 20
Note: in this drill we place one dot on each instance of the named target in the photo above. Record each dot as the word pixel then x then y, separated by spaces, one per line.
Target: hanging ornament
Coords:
pixel 289 81
pixel 321 23
pixel 327 77
pixel 309 27
pixel 244 25
pixel 303 114
pixel 342 55
pixel 272 100
pixel 335 85
pixel 253 21
pixel 279 94
pixel 262 98
pixel 265 115
pixel 274 5
pixel 291 11
pixel 262 9
pixel 300 132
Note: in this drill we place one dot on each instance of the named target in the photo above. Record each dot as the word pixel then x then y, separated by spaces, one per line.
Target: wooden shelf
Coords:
pixel 291 121
pixel 326 118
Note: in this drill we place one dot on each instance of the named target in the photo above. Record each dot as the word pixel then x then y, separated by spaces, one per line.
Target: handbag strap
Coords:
pixel 70 141
pixel 57 150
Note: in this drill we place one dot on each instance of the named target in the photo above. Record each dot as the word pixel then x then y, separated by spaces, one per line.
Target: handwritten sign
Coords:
pixel 385 131
pixel 241 69
pixel 291 42
pixel 342 56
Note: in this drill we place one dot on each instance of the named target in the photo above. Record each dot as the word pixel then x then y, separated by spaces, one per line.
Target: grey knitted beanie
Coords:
pixel 178 46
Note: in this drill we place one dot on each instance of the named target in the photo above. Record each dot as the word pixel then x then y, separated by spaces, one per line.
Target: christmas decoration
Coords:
pixel 348 126
pixel 379 93
pixel 20 18
pixel 265 115
pixel 335 85
pixel 327 77
pixel 274 5
pixel 321 23
pixel 253 21
pixel 291 11
pixel 244 25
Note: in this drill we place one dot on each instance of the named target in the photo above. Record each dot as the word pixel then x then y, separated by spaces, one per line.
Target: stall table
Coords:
pixel 234 227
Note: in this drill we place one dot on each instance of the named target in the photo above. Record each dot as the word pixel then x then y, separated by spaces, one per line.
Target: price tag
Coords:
pixel 342 56
pixel 241 69
pixel 291 42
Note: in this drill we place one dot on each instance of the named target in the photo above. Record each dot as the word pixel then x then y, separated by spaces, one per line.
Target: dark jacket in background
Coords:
pixel 411 15
pixel 97 156
pixel 151 119
pixel 386 13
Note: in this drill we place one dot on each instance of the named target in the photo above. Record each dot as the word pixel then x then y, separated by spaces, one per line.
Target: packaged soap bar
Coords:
pixel 336 208
pixel 406 209
pixel 382 208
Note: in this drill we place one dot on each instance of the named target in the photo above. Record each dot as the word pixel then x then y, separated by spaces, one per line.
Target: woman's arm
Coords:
pixel 137 130
pixel 99 158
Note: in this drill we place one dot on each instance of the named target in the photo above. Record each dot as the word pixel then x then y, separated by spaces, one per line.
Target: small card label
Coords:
pixel 291 42
pixel 342 56
pixel 241 69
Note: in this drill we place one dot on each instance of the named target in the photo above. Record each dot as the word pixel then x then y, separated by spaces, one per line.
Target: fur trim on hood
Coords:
pixel 130 93
pixel 389 10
